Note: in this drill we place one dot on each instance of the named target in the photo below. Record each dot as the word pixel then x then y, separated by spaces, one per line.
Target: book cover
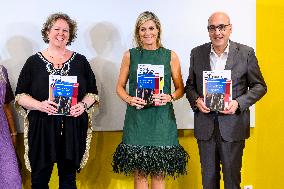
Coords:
pixel 217 89
pixel 63 90
pixel 150 80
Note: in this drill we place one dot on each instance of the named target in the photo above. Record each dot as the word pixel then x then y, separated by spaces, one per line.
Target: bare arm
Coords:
pixel 122 81
pixel 10 120
pixel 123 77
pixel 30 103
pixel 176 76
pixel 178 83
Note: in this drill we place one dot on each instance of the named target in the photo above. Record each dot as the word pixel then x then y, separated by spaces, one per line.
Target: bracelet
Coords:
pixel 172 97
pixel 14 134
pixel 85 105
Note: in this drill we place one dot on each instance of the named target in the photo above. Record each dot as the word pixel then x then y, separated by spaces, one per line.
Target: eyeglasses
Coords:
pixel 221 27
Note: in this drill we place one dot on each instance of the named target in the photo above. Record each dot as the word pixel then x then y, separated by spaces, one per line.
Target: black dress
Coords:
pixel 49 137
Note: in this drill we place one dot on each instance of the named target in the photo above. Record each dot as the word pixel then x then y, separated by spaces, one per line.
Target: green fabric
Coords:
pixel 154 126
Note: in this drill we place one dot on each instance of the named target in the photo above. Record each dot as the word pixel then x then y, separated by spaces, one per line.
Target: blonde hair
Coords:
pixel 142 18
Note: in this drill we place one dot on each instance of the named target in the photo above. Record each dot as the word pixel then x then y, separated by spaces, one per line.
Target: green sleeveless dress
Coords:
pixel 150 140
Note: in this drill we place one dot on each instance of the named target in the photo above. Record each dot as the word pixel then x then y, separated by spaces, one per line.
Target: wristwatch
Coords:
pixel 85 105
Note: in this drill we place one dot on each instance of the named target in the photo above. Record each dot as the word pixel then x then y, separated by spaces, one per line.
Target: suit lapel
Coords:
pixel 207 66
pixel 233 51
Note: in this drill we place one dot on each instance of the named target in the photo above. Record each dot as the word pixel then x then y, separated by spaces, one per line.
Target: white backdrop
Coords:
pixel 106 31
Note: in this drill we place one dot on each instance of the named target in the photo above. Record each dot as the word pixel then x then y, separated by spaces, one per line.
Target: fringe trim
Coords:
pixel 87 150
pixel 150 160
pixel 24 114
pixel 95 97
pixel 90 112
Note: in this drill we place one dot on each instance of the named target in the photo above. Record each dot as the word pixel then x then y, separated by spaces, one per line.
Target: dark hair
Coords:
pixel 52 19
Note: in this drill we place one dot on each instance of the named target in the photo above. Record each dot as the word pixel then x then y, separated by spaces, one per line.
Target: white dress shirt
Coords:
pixel 218 62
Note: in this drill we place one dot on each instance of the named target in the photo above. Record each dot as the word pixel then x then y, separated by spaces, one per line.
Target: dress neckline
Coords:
pixel 46 60
pixel 52 70
pixel 149 50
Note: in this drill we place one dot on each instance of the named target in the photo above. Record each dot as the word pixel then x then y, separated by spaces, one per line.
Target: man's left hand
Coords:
pixel 231 109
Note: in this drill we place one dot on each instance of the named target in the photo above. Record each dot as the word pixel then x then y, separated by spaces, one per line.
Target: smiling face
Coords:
pixel 148 34
pixel 219 37
pixel 148 31
pixel 58 34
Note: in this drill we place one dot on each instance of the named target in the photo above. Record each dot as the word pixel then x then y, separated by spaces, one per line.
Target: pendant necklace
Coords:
pixel 60 58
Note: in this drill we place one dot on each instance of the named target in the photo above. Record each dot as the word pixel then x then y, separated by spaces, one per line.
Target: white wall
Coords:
pixel 106 31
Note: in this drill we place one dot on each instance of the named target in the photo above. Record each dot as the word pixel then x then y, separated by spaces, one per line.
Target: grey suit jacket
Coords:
pixel 248 86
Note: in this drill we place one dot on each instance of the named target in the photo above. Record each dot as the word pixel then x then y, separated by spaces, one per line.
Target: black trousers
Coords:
pixel 66 173
pixel 215 152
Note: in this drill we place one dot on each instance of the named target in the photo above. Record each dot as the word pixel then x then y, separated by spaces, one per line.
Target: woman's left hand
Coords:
pixel 77 109
pixel 162 99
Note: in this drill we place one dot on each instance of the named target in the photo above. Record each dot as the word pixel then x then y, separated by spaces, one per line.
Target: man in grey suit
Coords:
pixel 221 135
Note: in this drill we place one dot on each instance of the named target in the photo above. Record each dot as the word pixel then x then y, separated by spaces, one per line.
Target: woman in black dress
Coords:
pixel 50 138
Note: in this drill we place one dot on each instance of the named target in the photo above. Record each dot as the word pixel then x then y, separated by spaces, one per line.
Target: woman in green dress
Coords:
pixel 150 142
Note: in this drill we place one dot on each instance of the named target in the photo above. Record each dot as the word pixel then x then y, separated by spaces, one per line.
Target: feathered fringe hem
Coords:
pixel 150 160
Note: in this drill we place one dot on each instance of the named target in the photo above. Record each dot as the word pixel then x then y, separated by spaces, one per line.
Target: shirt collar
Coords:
pixel 225 52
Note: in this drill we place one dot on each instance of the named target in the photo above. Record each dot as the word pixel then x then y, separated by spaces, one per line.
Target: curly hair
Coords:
pixel 142 18
pixel 52 19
